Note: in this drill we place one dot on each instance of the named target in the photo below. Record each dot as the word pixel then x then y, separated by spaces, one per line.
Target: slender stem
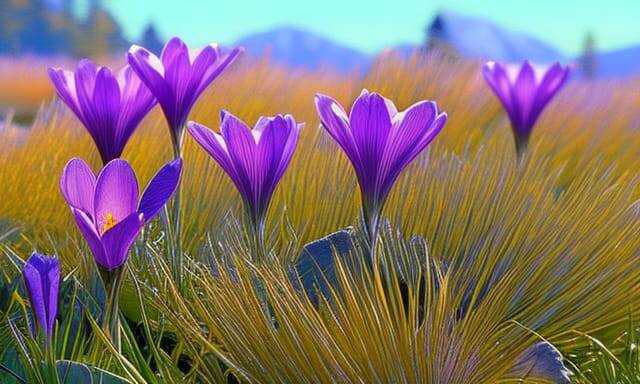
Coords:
pixel 521 141
pixel 371 216
pixel 175 219
pixel 112 281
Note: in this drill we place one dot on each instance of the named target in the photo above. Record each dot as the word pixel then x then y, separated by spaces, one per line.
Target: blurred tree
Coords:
pixel 46 28
pixel 589 60
pixel 151 40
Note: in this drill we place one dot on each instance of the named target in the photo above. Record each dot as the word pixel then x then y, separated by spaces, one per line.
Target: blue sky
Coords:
pixel 373 25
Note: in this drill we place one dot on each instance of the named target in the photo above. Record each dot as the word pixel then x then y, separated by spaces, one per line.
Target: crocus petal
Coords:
pixel 64 83
pixel 370 126
pixel 90 233
pixel 42 279
pixel 149 69
pixel 116 193
pixel 336 122
pixel 241 148
pixel 160 189
pixel 216 70
pixel 118 240
pixel 33 282
pixel 77 184
pixel 413 130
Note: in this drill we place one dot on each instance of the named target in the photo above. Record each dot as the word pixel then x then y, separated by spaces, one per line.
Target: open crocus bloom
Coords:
pixel 179 76
pixel 524 91
pixel 379 141
pixel 255 159
pixel 109 106
pixel 106 208
pixel 42 279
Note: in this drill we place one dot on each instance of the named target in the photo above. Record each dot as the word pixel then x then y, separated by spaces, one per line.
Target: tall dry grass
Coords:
pixel 552 244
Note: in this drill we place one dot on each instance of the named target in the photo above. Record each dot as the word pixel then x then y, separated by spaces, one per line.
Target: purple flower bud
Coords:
pixel 42 278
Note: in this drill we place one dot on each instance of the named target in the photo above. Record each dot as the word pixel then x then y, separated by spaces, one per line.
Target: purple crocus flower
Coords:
pixel 42 278
pixel 106 208
pixel 178 77
pixel 524 90
pixel 379 141
pixel 255 160
pixel 110 106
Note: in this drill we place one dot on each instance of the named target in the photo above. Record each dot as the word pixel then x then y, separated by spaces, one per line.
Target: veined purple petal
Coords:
pixel 118 240
pixel 136 102
pixel 241 147
pixel 42 279
pixel 77 184
pixel 406 141
pixel 116 194
pixel 276 137
pixel 255 160
pixel 110 107
pixel 370 126
pixel 379 140
pixel 160 189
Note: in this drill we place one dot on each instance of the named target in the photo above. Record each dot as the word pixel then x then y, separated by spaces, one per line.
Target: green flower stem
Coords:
pixel 112 281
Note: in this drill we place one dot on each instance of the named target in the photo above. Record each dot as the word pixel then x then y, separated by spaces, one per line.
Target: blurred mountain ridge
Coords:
pixel 50 27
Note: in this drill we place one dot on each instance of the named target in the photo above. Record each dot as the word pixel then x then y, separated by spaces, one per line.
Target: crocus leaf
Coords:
pixel 541 361
pixel 75 372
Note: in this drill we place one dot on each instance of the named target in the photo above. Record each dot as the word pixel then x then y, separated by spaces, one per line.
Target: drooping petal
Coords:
pixel 64 83
pixel 336 122
pixel 213 143
pixel 160 189
pixel 118 240
pixel 78 183
pixel 150 70
pixel 496 76
pixel 116 194
pixel 90 233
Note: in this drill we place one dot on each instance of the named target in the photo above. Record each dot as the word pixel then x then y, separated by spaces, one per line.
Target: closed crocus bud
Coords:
pixel 42 278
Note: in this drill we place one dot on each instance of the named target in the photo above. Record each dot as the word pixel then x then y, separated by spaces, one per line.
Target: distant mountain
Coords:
pixel 479 38
pixel 303 49
pixel 618 63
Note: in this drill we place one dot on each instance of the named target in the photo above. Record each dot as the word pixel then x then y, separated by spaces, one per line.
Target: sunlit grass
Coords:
pixel 552 244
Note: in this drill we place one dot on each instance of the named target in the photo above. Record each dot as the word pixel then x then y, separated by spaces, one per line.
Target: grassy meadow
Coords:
pixel 548 249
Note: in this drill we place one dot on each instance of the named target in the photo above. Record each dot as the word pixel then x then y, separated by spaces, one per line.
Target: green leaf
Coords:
pixel 71 372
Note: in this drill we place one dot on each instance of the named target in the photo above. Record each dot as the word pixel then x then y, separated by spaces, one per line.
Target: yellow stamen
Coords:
pixel 109 222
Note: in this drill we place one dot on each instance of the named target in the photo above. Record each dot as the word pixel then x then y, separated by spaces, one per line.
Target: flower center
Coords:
pixel 109 222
